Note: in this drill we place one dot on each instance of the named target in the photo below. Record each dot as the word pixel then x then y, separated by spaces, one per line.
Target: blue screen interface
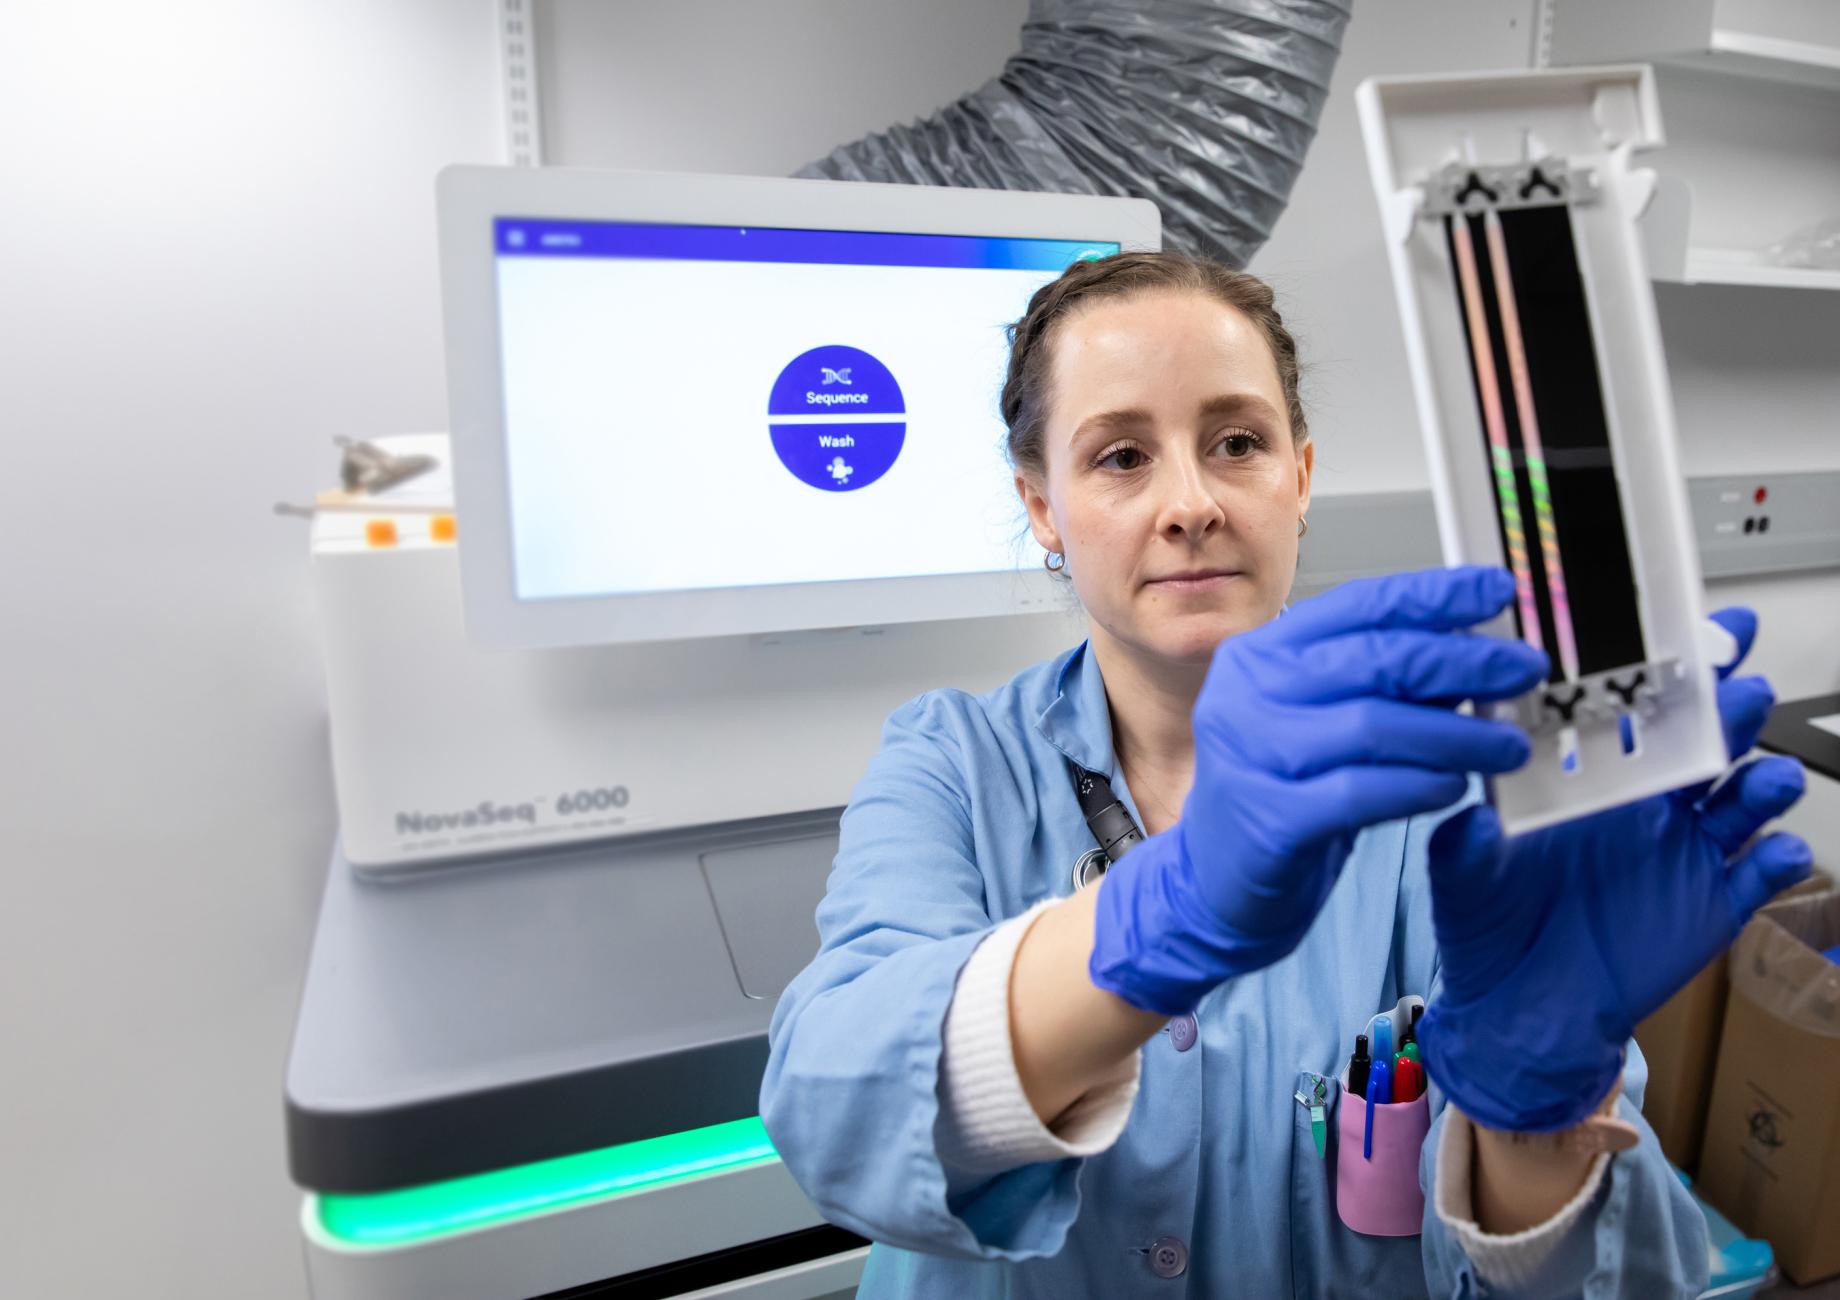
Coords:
pixel 696 407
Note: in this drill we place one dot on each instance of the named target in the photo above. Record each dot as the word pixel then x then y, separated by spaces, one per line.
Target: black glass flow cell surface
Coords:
pixel 1549 322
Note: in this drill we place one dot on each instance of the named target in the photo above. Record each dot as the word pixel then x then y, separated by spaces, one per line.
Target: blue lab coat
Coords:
pixel 968 816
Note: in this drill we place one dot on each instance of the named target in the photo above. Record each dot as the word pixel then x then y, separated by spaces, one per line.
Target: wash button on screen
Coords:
pixel 837 418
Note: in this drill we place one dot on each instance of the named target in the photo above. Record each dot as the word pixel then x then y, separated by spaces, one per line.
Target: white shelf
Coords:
pixel 1742 266
pixel 1775 40
pixel 1748 54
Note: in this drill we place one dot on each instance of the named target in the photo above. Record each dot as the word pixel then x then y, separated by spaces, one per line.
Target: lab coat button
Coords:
pixel 1183 1031
pixel 1168 1257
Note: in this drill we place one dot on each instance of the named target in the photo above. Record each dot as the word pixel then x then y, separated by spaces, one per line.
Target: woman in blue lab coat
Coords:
pixel 1022 1089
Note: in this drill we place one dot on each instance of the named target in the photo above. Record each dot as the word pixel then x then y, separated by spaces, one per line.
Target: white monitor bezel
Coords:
pixel 470 198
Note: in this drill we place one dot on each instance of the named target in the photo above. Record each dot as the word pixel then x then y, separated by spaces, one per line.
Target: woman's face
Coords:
pixel 1172 485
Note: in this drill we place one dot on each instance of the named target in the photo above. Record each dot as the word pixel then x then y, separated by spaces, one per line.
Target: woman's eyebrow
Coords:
pixel 1226 404
pixel 1134 417
pixel 1111 421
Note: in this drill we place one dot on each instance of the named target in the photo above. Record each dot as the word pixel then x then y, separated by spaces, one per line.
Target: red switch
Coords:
pixel 1761 495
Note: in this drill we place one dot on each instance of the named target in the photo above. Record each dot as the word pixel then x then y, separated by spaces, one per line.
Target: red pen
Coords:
pixel 1408 1079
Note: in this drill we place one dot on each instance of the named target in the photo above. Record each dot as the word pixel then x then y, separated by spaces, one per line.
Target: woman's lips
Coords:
pixel 1205 580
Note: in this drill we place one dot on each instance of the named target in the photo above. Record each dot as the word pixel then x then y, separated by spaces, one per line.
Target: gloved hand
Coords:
pixel 1554 944
pixel 1335 716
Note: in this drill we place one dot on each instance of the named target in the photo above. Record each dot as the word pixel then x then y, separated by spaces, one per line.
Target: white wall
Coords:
pixel 762 89
pixel 216 252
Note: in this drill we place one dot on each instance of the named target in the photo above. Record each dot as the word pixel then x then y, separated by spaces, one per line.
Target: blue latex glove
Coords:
pixel 1334 717
pixel 1554 944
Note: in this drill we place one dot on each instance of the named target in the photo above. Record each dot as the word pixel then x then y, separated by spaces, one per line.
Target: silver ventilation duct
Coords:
pixel 1205 107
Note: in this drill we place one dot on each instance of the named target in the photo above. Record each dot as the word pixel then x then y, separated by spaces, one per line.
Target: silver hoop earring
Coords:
pixel 1054 562
pixel 1303 525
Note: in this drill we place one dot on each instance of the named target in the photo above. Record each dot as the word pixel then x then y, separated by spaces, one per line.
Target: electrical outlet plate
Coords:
pixel 1463 152
pixel 1767 522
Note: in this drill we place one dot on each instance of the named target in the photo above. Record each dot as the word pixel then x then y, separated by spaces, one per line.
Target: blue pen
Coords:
pixel 1381 1035
pixel 1379 1093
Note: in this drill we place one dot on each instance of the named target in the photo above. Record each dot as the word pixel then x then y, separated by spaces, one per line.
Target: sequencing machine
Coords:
pixel 724 487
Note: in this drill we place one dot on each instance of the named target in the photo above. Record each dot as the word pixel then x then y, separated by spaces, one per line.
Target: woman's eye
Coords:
pixel 1123 458
pixel 1241 445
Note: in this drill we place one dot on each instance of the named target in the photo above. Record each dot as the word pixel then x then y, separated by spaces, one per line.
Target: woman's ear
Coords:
pixel 1306 466
pixel 1041 520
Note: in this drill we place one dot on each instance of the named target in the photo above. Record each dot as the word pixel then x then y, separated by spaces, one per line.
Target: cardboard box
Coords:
pixel 1770 1157
pixel 1681 1044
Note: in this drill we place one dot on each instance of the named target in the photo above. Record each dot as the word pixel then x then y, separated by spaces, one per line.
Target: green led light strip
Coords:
pixel 438 1209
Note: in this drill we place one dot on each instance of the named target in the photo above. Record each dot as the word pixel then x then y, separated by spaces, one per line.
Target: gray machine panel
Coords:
pixel 472 1018
pixel 1363 536
pixel 1795 527
pixel 762 892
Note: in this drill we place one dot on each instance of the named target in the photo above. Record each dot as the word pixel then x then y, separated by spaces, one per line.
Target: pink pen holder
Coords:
pixel 1380 1196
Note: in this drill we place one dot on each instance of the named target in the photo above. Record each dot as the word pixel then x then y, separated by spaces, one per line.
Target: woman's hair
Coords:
pixel 1025 391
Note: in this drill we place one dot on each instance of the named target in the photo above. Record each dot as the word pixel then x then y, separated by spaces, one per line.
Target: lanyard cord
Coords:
pixel 1106 816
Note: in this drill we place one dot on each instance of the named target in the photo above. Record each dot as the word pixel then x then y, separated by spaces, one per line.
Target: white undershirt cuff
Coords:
pixel 986 1124
pixel 1511 1261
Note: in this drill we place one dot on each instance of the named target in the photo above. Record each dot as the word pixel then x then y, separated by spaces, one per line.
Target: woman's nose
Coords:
pixel 1189 508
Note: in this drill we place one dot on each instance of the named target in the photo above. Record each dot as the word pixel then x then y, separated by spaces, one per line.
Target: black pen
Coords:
pixel 1358 1067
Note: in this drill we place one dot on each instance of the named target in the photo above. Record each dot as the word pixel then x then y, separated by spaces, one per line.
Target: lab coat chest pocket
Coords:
pixel 1327 1258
